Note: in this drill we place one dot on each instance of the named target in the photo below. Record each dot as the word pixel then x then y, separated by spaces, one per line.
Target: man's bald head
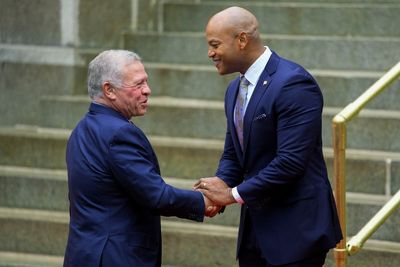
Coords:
pixel 233 39
pixel 235 20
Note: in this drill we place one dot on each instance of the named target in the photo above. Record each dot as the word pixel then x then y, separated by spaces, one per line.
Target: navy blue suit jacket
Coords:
pixel 281 174
pixel 117 194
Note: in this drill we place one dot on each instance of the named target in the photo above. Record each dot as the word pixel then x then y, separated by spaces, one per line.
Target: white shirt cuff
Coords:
pixel 236 196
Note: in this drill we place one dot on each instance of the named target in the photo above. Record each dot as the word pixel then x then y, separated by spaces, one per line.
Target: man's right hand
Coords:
pixel 211 209
pixel 216 190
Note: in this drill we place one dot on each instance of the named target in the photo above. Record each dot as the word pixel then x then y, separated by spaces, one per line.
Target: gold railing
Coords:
pixel 356 242
pixel 339 150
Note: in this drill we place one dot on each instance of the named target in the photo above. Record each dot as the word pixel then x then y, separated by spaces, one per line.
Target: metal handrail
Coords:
pixel 356 242
pixel 339 149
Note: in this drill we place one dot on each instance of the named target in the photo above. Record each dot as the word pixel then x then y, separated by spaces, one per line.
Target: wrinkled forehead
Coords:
pixel 135 70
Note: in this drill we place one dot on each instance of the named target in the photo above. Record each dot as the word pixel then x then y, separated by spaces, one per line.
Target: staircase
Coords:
pixel 346 44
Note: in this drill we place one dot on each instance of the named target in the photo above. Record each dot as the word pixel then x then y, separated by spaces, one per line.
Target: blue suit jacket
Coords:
pixel 117 194
pixel 281 174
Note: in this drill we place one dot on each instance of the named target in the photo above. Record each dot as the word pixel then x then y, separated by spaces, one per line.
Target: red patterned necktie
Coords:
pixel 240 108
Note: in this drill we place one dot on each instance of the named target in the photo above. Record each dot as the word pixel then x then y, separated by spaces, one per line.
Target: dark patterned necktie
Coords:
pixel 239 108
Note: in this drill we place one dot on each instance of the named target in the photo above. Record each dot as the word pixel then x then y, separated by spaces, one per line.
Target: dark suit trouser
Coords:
pixel 250 253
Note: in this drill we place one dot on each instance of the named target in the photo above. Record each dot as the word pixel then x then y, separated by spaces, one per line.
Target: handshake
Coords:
pixel 216 192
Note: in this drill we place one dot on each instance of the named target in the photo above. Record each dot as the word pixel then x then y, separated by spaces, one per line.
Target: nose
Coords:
pixel 211 53
pixel 146 90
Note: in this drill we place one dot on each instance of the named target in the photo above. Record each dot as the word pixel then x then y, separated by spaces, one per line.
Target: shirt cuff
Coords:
pixel 236 196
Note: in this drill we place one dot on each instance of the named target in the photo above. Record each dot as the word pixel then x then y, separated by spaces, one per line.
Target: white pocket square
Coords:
pixel 261 116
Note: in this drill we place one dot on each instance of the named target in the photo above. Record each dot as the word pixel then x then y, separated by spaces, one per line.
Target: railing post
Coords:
pixel 339 150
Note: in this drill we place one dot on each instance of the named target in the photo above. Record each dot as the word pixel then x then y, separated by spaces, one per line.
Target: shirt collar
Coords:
pixel 255 70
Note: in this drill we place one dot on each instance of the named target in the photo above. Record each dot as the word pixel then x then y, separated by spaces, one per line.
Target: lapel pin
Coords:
pixel 265 83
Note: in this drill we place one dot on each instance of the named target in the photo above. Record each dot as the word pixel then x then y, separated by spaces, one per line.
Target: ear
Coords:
pixel 108 91
pixel 242 40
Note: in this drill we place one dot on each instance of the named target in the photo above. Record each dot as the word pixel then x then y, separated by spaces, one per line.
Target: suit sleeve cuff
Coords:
pixel 236 196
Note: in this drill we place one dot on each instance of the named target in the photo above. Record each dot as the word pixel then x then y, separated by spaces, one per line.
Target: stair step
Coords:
pixel 195 118
pixel 42 65
pixel 48 69
pixel 25 67
pixel 214 246
pixel 40 189
pixel 33 231
pixel 293 18
pixel 38 231
pixel 33 188
pixel 313 52
pixel 339 87
pixel 29 146
pixel 15 259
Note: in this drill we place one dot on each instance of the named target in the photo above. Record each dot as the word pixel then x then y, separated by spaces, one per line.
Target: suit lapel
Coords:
pixel 262 85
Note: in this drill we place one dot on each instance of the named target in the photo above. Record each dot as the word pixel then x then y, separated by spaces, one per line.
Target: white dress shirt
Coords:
pixel 253 75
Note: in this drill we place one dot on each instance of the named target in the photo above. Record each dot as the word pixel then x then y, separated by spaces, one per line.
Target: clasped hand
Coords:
pixel 216 194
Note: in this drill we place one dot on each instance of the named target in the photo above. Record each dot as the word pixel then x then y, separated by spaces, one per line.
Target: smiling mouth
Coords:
pixel 216 62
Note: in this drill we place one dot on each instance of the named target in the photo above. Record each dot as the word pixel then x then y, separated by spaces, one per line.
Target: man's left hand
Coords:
pixel 215 189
